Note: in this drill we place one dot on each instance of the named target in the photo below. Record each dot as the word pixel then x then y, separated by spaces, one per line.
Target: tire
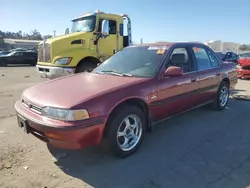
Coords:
pixel 85 66
pixel 33 64
pixel 117 124
pixel 3 64
pixel 218 103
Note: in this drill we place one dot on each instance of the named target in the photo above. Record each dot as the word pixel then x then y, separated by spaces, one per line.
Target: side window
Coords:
pixel 112 26
pixel 180 58
pixel 18 54
pixel 213 59
pixel 202 59
pixel 228 55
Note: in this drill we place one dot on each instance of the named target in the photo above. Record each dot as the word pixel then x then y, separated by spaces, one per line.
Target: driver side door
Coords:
pixel 108 45
pixel 16 58
pixel 177 94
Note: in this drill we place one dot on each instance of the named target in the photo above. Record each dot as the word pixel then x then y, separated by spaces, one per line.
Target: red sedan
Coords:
pixel 125 96
pixel 243 67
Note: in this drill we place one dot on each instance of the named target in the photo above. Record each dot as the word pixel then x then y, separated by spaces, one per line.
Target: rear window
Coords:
pixel 137 61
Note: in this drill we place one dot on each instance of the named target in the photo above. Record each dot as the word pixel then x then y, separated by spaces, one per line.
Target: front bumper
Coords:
pixel 241 73
pixel 65 135
pixel 54 72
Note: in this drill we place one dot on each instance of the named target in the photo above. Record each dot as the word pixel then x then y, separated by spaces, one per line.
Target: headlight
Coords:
pixel 63 61
pixel 238 66
pixel 64 114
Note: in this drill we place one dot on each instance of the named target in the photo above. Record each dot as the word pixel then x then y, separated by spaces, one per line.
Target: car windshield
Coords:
pixel 244 55
pixel 11 53
pixel 85 24
pixel 139 61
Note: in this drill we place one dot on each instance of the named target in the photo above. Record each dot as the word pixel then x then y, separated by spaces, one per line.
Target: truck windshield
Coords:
pixel 140 61
pixel 85 24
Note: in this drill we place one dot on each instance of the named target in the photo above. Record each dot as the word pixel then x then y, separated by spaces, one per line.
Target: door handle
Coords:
pixel 193 79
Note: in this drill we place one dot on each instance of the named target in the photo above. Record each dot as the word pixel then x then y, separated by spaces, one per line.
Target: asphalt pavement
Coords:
pixel 202 148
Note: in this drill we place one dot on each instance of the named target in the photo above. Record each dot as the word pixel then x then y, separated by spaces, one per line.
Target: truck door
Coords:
pixel 108 45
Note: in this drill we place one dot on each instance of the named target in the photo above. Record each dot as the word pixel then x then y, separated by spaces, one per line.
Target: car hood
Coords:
pixel 245 61
pixel 62 37
pixel 67 92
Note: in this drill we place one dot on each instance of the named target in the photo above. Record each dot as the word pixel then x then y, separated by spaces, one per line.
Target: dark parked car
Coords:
pixel 17 57
pixel 231 57
pixel 125 96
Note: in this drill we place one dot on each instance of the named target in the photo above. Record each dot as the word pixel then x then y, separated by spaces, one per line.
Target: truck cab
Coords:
pixel 93 38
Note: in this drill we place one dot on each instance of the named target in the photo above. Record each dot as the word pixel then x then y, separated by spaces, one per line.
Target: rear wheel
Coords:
pixel 222 96
pixel 125 131
pixel 85 66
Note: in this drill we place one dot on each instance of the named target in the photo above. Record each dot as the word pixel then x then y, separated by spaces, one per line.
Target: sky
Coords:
pixel 161 20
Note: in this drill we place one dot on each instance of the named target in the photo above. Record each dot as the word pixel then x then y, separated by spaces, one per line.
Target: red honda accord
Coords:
pixel 124 96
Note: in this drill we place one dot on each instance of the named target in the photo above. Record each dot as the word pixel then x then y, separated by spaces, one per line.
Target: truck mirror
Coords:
pixel 105 28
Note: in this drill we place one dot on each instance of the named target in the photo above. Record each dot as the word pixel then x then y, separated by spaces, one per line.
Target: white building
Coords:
pixel 20 43
pixel 219 46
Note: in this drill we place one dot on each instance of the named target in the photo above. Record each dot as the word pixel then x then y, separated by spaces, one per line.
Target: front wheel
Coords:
pixel 3 64
pixel 85 66
pixel 126 131
pixel 222 96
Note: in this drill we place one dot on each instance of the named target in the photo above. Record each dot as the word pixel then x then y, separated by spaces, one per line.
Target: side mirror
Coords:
pixel 105 28
pixel 66 31
pixel 173 71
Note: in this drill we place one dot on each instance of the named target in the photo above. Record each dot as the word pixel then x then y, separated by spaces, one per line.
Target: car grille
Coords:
pixel 32 107
pixel 246 67
pixel 44 53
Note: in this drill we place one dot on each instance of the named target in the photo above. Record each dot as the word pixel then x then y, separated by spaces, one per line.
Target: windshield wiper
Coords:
pixel 116 73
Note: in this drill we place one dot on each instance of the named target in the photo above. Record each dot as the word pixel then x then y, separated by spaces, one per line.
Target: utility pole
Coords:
pixel 141 41
pixel 54 33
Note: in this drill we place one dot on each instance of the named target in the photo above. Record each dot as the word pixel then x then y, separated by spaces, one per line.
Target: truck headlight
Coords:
pixel 65 114
pixel 63 61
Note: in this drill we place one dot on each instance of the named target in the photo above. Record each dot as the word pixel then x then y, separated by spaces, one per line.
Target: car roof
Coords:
pixel 168 43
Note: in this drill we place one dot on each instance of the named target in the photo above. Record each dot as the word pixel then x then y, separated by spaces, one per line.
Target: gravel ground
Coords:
pixel 202 148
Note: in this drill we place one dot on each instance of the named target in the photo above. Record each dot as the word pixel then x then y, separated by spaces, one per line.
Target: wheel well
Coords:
pixel 89 59
pixel 130 102
pixel 226 80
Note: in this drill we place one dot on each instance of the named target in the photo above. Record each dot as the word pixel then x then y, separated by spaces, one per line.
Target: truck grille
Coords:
pixel 44 53
pixel 32 107
pixel 246 67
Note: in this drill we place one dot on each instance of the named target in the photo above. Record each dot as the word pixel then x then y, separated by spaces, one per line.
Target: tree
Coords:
pixel 243 47
pixel 47 36
pixel 34 35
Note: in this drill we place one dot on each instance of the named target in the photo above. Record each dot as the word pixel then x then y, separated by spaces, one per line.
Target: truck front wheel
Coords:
pixel 85 66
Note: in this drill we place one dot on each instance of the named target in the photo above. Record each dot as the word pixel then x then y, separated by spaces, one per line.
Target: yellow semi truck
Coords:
pixel 93 38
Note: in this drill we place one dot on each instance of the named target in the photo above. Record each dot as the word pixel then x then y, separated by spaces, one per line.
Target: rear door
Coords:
pixel 29 57
pixel 209 72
